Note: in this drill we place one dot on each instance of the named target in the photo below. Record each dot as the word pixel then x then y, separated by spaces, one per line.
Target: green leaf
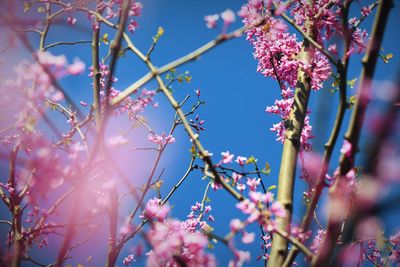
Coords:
pixel 104 39
pixel 387 57
pixel 40 9
pixel 351 83
pixel 351 101
pixel 251 159
pixel 272 187
pixel 267 169
pixel 188 78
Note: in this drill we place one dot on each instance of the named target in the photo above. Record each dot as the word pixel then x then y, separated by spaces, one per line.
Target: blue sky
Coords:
pixel 235 94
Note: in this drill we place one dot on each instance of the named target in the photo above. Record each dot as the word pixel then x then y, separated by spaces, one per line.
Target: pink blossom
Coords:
pixel 76 68
pixel 241 160
pixel 228 17
pixel 241 187
pixel 207 209
pixel 161 139
pixel 227 157
pixel 211 22
pixel 236 225
pixel 366 10
pixel 132 26
pixel 47 59
pixel 346 148
pixel 278 210
pixel 196 207
pixel 255 3
pixel 253 183
pixel 173 236
pixel 333 49
pixel 57 96
pixel 154 210
pixel 240 258
pixel 248 238
pixel 71 20
pixel 257 197
pixel 236 177
pixel 317 242
pixel 215 186
pixel 129 259
pixel 280 9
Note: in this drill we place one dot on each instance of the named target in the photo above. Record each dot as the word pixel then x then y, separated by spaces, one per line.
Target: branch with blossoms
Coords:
pixel 83 171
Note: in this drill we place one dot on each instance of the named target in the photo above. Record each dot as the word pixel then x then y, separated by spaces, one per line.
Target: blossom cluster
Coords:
pixel 174 242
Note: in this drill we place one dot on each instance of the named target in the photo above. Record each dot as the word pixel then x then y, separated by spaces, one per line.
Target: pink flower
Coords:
pixel 171 237
pixel 207 209
pixel 129 259
pixel 366 10
pixel 333 49
pixel 76 68
pixel 253 183
pixel 240 257
pixel 47 59
pixel 278 210
pixel 154 210
pixel 255 3
pixel 236 177
pixel 211 22
pixel 241 160
pixel 236 225
pixel 57 96
pixel 161 139
pixel 248 238
pixel 71 20
pixel 170 139
pixel 227 157
pixel 228 16
pixel 346 148
pixel 132 26
pixel 257 197
pixel 317 242
pixel 241 187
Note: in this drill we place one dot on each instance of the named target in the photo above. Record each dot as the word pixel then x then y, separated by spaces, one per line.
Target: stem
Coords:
pixel 18 242
pixel 342 69
pixel 113 217
pixel 180 61
pixel 66 43
pixel 96 73
pixel 291 150
pixel 176 186
pixel 43 33
pixel 115 47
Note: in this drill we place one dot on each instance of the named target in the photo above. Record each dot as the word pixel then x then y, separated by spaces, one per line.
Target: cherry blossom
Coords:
pixel 227 157
pixel 211 21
